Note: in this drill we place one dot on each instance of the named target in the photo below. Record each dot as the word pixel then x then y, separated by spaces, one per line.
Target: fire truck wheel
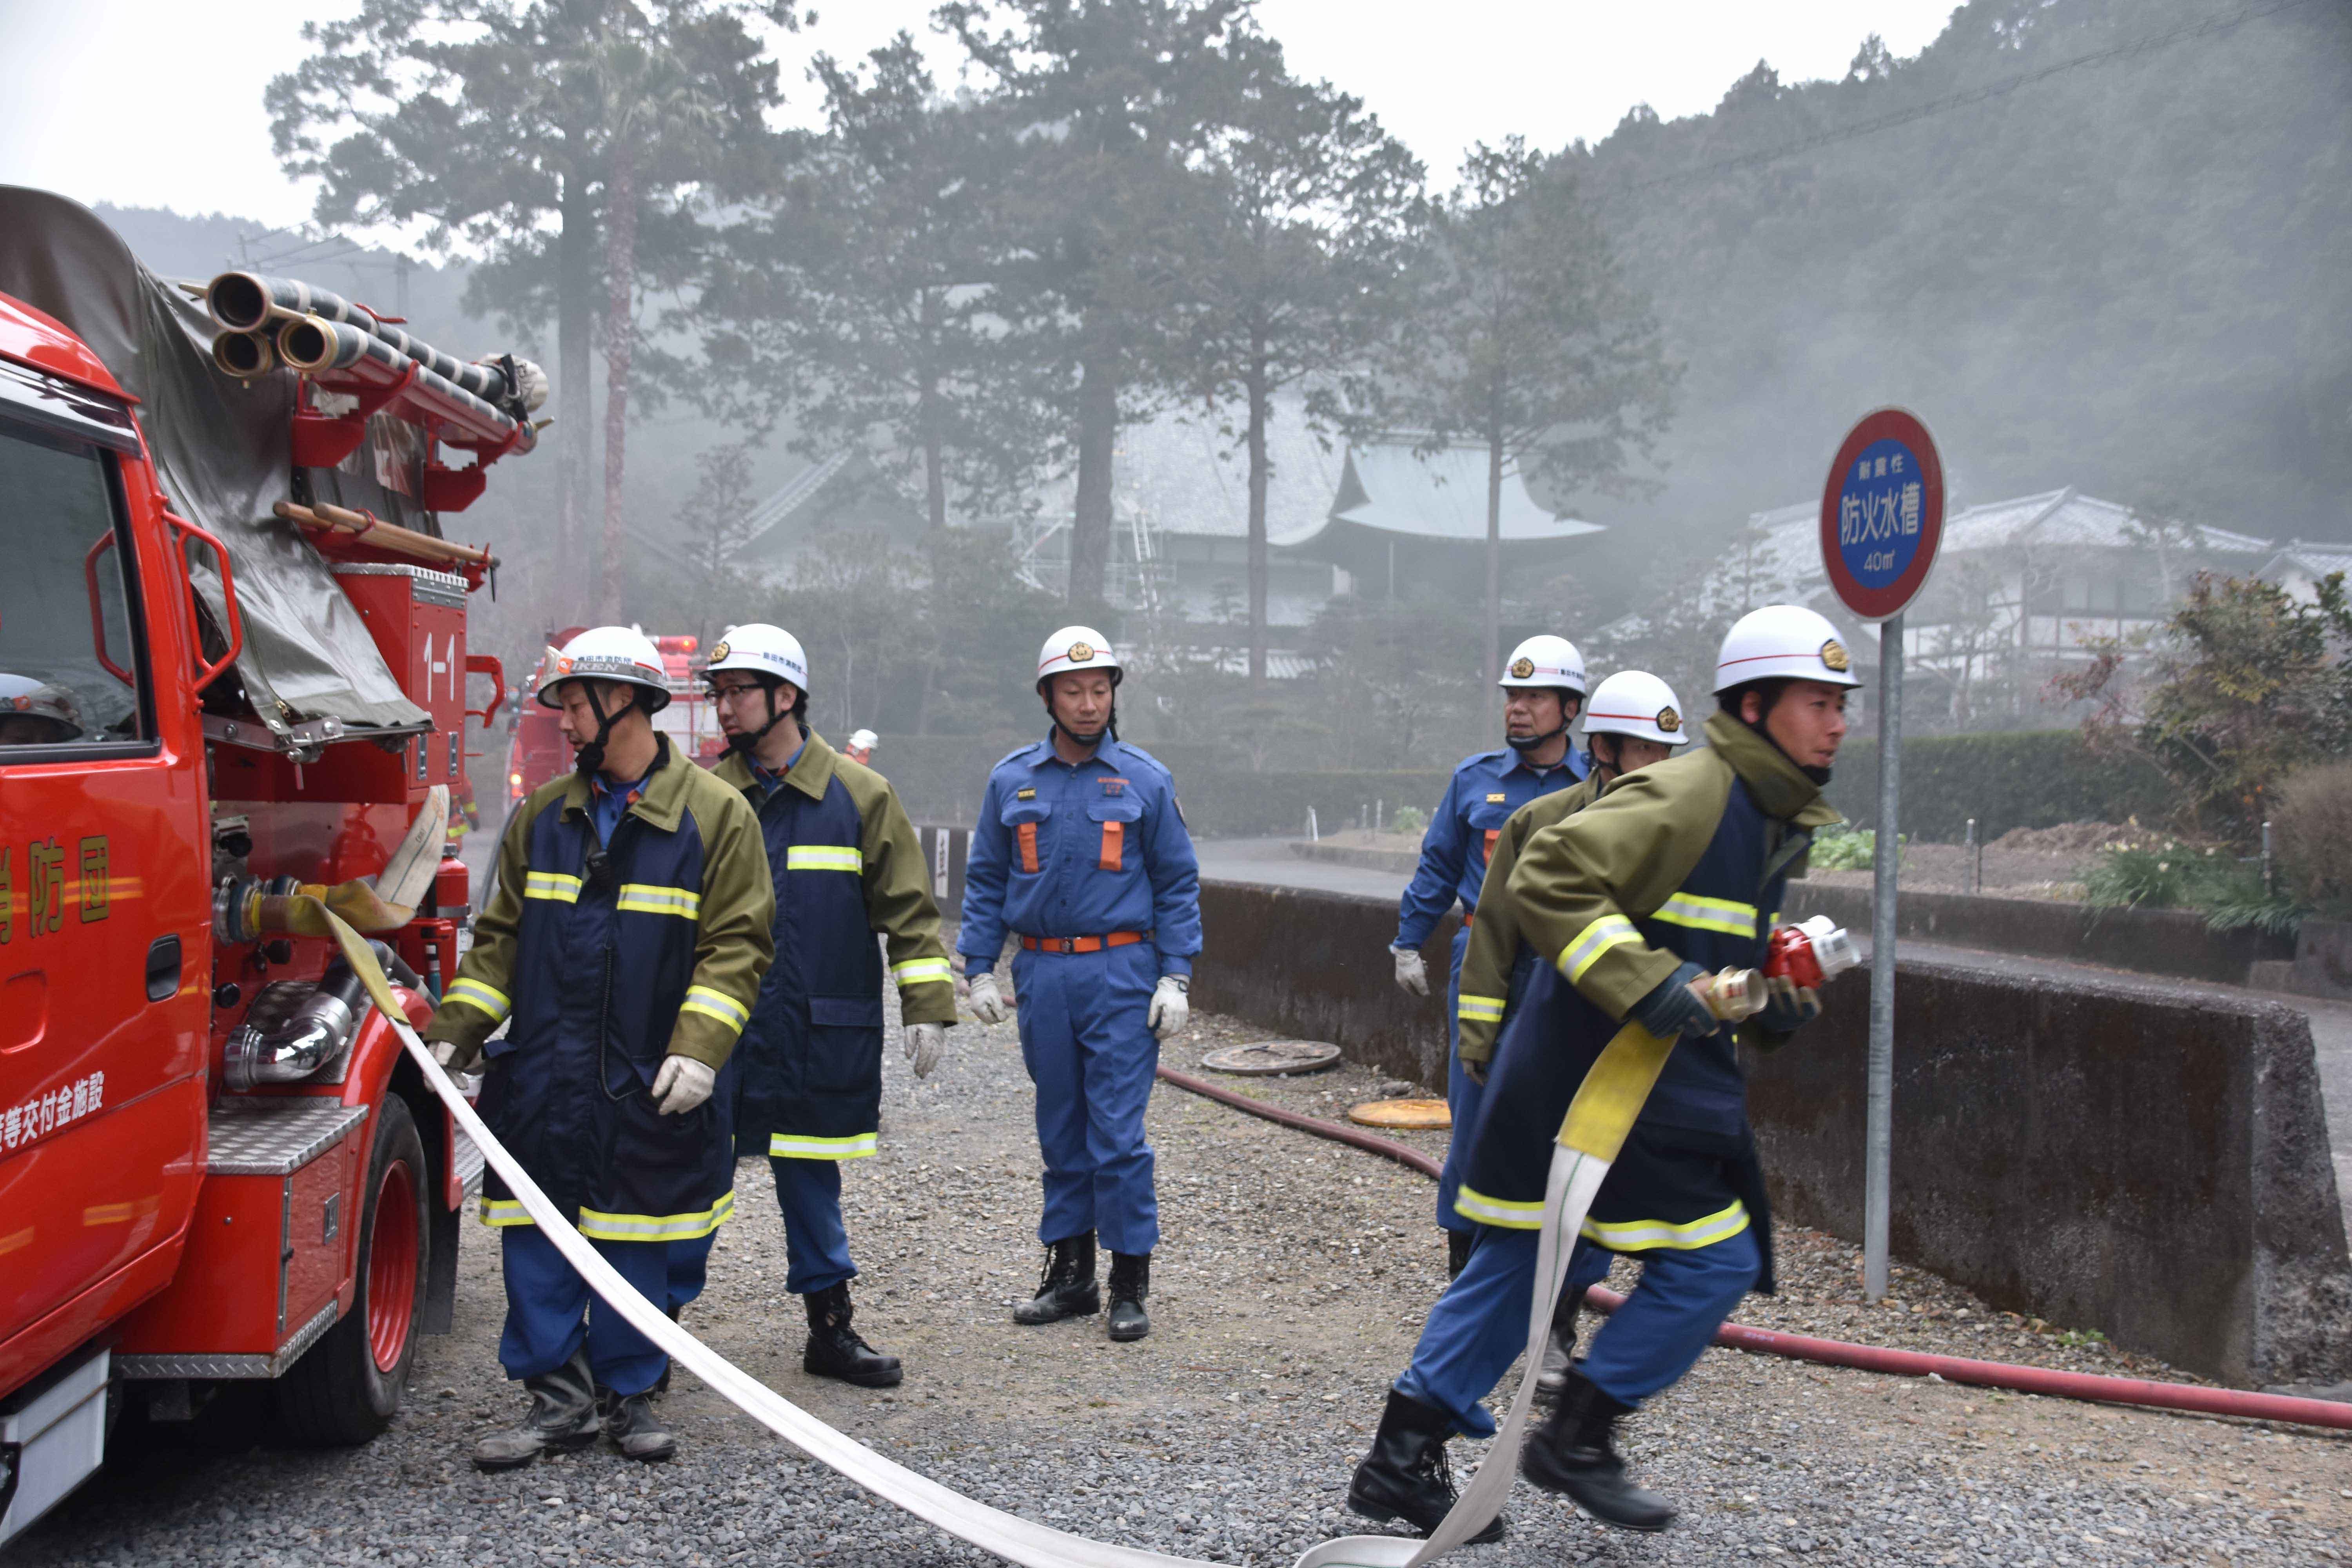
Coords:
pixel 348 1387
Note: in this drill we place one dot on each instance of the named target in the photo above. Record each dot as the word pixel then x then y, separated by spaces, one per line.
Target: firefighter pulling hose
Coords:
pixel 1615 1088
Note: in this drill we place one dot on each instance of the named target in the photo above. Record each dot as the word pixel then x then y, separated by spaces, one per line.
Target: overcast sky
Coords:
pixel 153 104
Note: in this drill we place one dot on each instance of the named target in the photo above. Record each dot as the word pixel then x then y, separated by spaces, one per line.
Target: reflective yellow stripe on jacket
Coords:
pixel 476 994
pixel 553 885
pixel 1608 931
pixel 1648 1235
pixel 823 857
pixel 645 898
pixel 499 1212
pixel 1696 912
pixel 1471 1203
pixel 599 1227
pixel 1480 1009
pixel 795 1146
pixel 922 972
pixel 717 1005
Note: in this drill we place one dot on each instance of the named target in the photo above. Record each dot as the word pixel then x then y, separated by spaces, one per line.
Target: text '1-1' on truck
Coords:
pixel 233 687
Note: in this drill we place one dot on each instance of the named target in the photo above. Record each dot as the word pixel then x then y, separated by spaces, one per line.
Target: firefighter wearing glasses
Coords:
pixel 846 864
pixel 622 949
pixel 1543 688
pixel 1082 852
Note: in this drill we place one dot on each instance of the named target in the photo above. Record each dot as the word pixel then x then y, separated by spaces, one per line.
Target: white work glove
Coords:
pixel 445 1053
pixel 924 1044
pixel 1171 1007
pixel 1411 974
pixel 682 1084
pixel 986 1001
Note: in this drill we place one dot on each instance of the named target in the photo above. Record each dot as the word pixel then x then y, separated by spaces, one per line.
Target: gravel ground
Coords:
pixel 1293 1277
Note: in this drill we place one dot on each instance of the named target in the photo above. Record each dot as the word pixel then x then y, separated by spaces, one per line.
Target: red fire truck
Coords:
pixel 538 752
pixel 232 668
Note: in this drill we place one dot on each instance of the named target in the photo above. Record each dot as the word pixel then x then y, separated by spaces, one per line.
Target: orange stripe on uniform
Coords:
pixel 1114 844
pixel 1027 834
pixel 1492 834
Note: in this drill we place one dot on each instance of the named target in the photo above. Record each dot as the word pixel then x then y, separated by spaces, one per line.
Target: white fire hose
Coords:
pixel 1575 1176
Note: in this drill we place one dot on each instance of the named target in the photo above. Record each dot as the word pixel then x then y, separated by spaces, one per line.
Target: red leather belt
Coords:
pixel 1081 943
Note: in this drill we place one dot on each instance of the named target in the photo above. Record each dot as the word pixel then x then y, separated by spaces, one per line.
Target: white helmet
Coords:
pixel 607 653
pixel 762 649
pixel 21 695
pixel 865 739
pixel 1544 660
pixel 1635 702
pixel 1076 647
pixel 1783 642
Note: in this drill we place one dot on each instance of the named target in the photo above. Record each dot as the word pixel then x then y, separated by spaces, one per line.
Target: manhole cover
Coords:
pixel 1411 1114
pixel 1272 1059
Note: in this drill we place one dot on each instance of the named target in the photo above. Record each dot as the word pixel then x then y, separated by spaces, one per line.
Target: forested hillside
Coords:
pixel 2129 275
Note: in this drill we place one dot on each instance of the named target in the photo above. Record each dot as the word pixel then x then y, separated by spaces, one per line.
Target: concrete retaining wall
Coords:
pixel 1316 966
pixel 2154 942
pixel 2155 1167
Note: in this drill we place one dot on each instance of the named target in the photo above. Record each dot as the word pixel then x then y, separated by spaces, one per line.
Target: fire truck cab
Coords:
pixel 216 1162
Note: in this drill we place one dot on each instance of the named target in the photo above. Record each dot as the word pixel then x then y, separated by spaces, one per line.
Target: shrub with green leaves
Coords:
pixel 1846 849
pixel 1409 819
pixel 2208 879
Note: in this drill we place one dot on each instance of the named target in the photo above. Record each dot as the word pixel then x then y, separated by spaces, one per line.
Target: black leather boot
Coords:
pixel 1559 1349
pixel 1405 1475
pixel 562 1416
pixel 835 1350
pixel 1574 1452
pixel 1130 1282
pixel 1457 1251
pixel 1066 1288
pixel 630 1421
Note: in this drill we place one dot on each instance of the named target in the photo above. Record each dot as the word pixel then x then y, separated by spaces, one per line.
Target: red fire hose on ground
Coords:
pixel 1865 1358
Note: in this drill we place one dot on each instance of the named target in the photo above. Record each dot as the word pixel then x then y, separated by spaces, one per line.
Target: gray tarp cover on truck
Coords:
pixel 221 449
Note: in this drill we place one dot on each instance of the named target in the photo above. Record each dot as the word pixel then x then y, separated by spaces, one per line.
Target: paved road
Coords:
pixel 1270 861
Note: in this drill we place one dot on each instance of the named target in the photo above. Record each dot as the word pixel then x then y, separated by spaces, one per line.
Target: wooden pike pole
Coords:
pixel 385 535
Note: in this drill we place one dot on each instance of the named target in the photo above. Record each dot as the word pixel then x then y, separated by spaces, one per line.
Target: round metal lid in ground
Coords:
pixel 1272 1059
pixel 1411 1115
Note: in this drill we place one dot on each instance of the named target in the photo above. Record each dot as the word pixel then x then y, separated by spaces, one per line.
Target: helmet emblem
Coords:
pixel 23 704
pixel 1522 668
pixel 719 653
pixel 1833 655
pixel 563 664
pixel 1081 652
pixel 1669 721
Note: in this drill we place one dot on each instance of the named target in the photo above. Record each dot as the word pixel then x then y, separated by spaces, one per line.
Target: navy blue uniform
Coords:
pixel 1685 1194
pixel 1095 851
pixel 604 955
pixel 1485 790
pixel 807 1079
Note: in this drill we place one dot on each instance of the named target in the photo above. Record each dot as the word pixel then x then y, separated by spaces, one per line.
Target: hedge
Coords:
pixel 2028 778
pixel 2032 778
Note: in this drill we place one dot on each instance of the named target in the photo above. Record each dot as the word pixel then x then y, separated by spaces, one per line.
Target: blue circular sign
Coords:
pixel 1883 514
pixel 1878 512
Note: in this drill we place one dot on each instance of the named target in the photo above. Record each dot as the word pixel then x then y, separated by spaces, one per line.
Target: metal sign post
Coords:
pixel 1882 521
pixel 1885 864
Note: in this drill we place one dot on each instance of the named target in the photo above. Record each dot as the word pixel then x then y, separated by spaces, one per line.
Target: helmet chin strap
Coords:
pixel 1537 743
pixel 1110 725
pixel 590 758
pixel 745 743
